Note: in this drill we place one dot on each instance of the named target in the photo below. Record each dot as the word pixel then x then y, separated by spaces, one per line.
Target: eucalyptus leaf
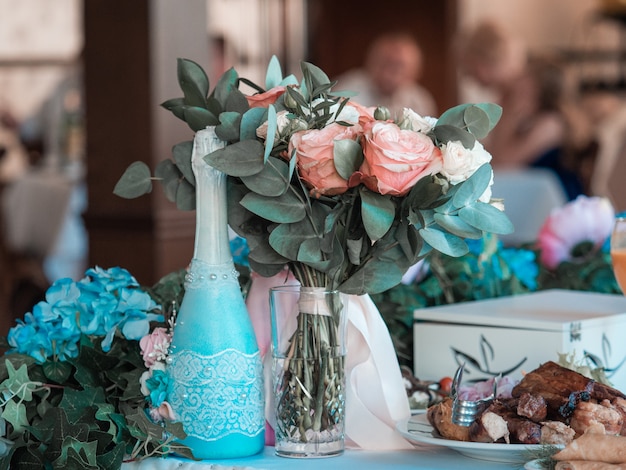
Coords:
pixel 274 74
pixel 250 121
pixel 266 270
pixel 272 181
pixel 193 81
pixel 185 196
pixel 378 213
pixel 176 106
pixel 476 122
pixel 473 188
pixel 454 116
pixel 236 102
pixel 444 242
pixel 244 158
pixel 287 238
pixel 446 133
pixel 347 157
pixel 170 177
pixel 225 86
pixel 457 226
pixel 199 118
pixel 286 208
pixel 494 112
pixel 134 182
pixel 228 129
pixel 487 218
pixel 182 157
pixel 271 132
pixel 367 279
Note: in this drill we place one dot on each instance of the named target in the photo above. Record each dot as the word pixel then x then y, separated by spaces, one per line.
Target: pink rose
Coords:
pixel 314 153
pixel 263 100
pixel 584 219
pixel 396 159
pixel 154 346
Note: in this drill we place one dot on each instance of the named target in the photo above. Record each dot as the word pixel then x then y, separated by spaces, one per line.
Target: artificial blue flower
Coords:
pixel 158 386
pixel 240 251
pixel 523 265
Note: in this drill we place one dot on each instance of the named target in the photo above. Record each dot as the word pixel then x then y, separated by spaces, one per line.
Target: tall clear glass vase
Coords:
pixel 308 370
pixel 215 368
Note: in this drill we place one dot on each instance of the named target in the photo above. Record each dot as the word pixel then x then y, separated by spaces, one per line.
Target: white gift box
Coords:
pixel 513 335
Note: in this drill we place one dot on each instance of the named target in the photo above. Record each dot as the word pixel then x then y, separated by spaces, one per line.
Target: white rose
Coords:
pixel 413 121
pixel 285 126
pixel 348 114
pixel 460 163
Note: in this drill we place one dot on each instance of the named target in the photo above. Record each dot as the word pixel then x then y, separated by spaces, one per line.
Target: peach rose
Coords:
pixel 263 100
pixel 396 159
pixel 314 153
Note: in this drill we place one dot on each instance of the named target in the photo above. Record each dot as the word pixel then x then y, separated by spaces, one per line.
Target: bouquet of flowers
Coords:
pixel 348 197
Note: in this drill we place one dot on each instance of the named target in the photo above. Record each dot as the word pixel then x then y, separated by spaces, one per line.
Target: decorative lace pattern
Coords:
pixel 215 396
pixel 203 274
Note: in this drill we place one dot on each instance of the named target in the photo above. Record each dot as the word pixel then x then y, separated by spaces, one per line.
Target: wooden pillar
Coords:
pixel 129 69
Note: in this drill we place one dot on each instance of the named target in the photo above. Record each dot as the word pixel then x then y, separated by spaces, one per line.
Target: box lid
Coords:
pixel 553 310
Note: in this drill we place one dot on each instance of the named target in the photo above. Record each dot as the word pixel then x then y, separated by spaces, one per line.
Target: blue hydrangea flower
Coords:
pixel 104 302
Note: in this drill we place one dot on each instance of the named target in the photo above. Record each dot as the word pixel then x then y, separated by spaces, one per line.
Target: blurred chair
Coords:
pixel 529 196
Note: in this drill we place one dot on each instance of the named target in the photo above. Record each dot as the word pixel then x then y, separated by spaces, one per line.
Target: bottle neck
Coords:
pixel 212 244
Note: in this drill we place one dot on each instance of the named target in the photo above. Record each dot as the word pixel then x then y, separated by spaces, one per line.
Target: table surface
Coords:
pixel 422 457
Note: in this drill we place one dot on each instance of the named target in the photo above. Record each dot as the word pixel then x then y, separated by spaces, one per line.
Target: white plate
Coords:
pixel 417 429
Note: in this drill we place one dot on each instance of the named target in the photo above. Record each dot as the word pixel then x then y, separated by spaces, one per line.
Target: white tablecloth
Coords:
pixel 423 457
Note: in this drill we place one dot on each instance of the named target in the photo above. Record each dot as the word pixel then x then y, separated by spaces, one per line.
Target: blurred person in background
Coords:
pixel 542 125
pixel 390 76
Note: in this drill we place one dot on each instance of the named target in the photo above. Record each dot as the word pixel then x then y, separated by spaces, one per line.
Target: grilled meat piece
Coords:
pixel 563 389
pixel 532 407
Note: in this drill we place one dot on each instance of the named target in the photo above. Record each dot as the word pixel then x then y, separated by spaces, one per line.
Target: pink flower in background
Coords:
pixel 584 219
pixel 154 346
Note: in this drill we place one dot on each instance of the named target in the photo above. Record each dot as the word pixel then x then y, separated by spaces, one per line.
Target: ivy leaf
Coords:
pixel 112 460
pixel 57 371
pixel 134 182
pixel 18 383
pixel 77 454
pixel 15 413
pixel 74 402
